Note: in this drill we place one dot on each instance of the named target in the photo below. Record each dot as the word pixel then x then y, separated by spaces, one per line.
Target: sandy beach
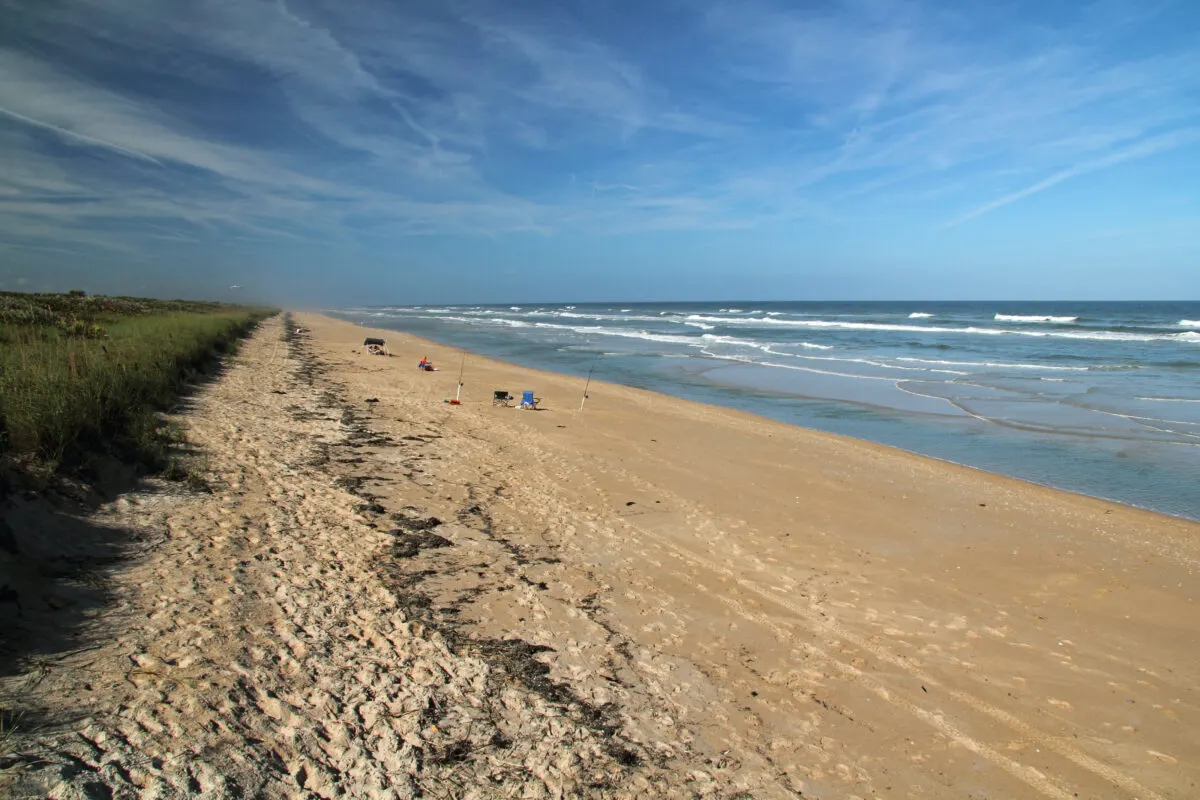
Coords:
pixel 385 595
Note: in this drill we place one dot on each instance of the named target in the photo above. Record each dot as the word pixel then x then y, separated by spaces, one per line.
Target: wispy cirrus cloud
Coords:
pixel 907 92
pixel 207 121
pixel 1143 149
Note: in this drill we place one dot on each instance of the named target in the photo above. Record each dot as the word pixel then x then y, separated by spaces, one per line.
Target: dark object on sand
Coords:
pixel 376 347
pixel 501 397
pixel 411 539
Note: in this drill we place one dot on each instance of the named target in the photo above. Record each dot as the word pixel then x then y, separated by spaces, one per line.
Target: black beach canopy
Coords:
pixel 370 342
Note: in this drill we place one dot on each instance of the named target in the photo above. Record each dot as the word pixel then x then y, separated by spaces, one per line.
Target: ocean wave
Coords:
pixel 808 345
pixel 877 363
pixel 919 315
pixel 713 338
pixel 511 323
pixel 606 317
pixel 997 364
pixel 708 322
pixel 1033 318
pixel 1189 323
pixel 1096 335
pixel 666 338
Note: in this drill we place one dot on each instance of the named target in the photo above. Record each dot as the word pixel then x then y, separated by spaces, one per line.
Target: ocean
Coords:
pixel 1097 398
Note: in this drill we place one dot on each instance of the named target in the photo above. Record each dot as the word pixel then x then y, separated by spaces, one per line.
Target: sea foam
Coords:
pixel 1033 318
pixel 1095 335
pixel 994 364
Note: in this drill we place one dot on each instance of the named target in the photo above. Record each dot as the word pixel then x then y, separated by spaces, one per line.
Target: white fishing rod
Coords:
pixel 461 369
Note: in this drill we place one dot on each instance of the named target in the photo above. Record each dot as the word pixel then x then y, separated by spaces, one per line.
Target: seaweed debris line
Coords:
pixel 271 639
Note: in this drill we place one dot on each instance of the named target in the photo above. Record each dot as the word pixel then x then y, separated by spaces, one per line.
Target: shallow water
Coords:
pixel 1099 398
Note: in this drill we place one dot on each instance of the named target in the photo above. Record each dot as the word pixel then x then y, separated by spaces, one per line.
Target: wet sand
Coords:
pixel 727 604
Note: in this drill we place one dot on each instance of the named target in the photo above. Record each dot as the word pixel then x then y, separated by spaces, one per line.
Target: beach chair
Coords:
pixel 528 401
pixel 501 397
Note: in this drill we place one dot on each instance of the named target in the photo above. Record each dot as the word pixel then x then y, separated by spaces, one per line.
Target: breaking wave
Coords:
pixel 1033 318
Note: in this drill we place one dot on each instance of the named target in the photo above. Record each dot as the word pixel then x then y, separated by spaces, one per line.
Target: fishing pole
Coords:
pixel 461 369
pixel 589 381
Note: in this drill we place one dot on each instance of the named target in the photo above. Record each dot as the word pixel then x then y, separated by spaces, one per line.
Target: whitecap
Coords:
pixel 1189 323
pixel 668 338
pixel 718 339
pixel 511 323
pixel 919 315
pixel 1033 318
pixel 1187 336
pixel 996 364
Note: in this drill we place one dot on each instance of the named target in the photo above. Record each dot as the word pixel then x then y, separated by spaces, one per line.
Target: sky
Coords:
pixel 328 152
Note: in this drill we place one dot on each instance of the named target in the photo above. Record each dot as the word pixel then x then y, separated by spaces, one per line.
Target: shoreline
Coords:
pixel 421 341
pixel 781 567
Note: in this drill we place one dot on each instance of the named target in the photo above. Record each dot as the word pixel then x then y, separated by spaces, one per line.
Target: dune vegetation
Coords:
pixel 84 375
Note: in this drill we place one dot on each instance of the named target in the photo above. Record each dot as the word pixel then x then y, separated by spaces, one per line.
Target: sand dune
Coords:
pixel 651 598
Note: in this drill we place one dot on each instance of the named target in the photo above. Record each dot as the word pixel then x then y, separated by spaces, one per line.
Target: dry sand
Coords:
pixel 651 598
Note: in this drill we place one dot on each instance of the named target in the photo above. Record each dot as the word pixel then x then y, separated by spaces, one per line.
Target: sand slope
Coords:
pixel 649 598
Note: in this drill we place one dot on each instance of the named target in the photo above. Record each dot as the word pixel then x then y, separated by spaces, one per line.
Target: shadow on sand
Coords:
pixel 58 555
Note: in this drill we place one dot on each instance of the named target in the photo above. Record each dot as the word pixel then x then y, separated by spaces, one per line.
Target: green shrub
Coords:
pixel 70 386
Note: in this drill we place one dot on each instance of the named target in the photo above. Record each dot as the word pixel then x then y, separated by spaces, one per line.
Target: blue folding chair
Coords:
pixel 528 400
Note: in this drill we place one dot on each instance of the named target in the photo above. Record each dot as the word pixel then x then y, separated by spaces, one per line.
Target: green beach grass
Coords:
pixel 82 376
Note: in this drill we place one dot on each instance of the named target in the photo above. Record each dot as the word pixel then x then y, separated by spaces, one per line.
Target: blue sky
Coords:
pixel 329 152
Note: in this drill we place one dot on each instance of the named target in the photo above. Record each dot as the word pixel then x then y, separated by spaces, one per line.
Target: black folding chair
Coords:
pixel 500 397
